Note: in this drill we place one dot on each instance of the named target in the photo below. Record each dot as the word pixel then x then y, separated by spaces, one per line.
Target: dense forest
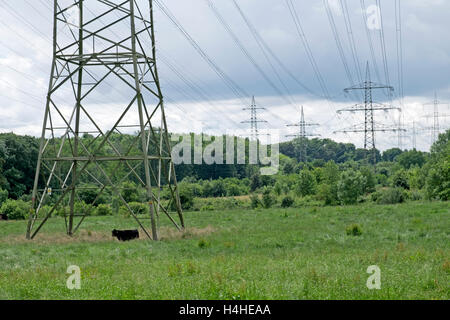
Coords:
pixel 331 174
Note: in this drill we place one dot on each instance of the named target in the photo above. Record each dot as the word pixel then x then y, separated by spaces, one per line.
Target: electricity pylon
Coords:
pixel 436 116
pixel 303 134
pixel 369 127
pixel 94 42
pixel 254 119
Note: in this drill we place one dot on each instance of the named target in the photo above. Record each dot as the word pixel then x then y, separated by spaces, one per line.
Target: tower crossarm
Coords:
pixel 375 107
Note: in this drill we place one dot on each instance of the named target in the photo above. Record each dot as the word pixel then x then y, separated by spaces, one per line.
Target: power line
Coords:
pixel 305 43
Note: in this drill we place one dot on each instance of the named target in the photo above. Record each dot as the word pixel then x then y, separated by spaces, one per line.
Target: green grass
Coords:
pixel 261 254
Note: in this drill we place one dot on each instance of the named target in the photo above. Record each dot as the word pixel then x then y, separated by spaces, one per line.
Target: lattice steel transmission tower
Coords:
pixel 369 127
pixel 104 82
pixel 436 116
pixel 254 119
pixel 303 134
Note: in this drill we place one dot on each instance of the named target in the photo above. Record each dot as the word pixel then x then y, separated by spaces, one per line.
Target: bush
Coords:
pixel 438 181
pixel 89 193
pixel 104 210
pixel 268 200
pixel 3 196
pixel 15 209
pixel 306 184
pixel 350 187
pixel 400 179
pixel 254 201
pixel 353 230
pixel 186 199
pixel 390 196
pixel 130 192
pixel 139 208
pixel 415 195
pixel 328 194
pixel 287 202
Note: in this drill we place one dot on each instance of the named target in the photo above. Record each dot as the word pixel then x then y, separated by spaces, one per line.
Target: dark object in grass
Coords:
pixel 125 235
pixel 3 216
pixel 354 230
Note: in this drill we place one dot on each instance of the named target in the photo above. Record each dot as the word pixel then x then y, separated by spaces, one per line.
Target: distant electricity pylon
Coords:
pixel 88 51
pixel 303 134
pixel 369 127
pixel 436 116
pixel 253 121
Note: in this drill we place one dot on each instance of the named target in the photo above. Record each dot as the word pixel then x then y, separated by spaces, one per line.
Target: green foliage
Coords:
pixel 306 184
pixel 400 179
pixel 3 196
pixel 268 200
pixel 254 201
pixel 353 230
pixel 287 202
pixel 255 182
pixel 350 186
pixel 411 158
pixel 88 193
pixel 390 196
pixel 369 178
pixel 130 192
pixel 438 181
pixel 139 208
pixel 104 210
pixel 390 155
pixel 18 156
pixel 328 193
pixel 186 198
pixel 15 209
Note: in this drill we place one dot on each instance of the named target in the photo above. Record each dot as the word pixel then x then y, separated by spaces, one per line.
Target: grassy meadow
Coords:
pixel 301 253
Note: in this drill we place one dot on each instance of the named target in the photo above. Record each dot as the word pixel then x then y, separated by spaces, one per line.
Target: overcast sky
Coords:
pixel 25 57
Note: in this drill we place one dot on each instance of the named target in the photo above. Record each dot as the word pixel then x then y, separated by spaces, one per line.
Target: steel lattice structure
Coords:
pixel 303 134
pixel 435 129
pixel 96 41
pixel 369 127
pixel 254 119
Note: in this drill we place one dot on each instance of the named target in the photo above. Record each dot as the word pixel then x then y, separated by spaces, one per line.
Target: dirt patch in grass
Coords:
pixel 165 234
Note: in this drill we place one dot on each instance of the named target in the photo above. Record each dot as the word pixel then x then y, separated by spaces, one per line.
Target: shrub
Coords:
pixel 353 230
pixel 268 200
pixel 350 187
pixel 400 179
pixel 328 194
pixel 287 202
pixel 438 181
pixel 3 196
pixel 89 193
pixel 254 201
pixel 104 210
pixel 390 196
pixel 130 192
pixel 306 184
pixel 186 199
pixel 139 208
pixel 15 209
pixel 255 182
pixel 202 243
pixel 415 195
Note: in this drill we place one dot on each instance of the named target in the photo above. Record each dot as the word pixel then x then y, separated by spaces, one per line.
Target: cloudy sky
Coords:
pixel 205 101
